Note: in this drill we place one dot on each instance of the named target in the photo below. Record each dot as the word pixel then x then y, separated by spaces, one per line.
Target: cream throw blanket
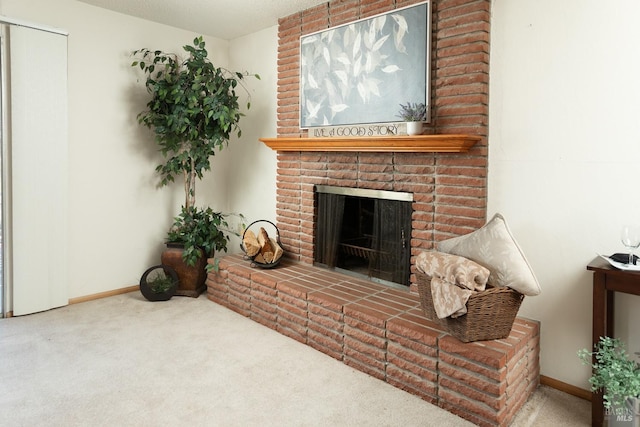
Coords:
pixel 453 280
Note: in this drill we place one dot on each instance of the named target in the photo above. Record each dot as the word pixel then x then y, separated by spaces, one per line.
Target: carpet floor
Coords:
pixel 123 361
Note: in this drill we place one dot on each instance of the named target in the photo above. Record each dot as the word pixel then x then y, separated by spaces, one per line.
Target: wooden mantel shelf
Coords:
pixel 407 144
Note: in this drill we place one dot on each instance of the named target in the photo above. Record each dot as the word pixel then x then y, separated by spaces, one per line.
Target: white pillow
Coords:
pixel 494 247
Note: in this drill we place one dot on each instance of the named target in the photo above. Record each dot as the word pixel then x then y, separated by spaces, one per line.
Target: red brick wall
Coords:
pixel 449 189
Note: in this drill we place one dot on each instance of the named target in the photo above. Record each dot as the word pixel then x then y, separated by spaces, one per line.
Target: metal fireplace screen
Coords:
pixel 367 232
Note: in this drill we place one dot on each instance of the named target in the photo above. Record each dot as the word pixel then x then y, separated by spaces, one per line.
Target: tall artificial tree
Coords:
pixel 193 111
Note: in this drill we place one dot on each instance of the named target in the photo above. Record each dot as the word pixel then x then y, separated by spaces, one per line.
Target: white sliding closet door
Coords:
pixel 38 172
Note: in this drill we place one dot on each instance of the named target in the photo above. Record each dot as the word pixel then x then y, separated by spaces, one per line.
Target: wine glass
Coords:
pixel 630 237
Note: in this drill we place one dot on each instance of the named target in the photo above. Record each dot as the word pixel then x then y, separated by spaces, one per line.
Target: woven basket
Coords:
pixel 490 313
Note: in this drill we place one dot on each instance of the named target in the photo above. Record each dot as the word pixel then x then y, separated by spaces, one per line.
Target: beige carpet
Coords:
pixel 123 361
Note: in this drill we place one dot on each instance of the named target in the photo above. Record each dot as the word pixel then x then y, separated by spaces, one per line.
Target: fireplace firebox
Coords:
pixel 365 233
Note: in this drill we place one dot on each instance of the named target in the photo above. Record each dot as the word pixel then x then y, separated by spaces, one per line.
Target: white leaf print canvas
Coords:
pixel 361 72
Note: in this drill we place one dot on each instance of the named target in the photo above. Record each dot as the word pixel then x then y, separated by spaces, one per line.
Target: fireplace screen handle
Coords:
pixel 404 242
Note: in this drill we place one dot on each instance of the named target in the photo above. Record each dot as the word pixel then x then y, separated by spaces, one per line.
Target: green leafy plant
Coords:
pixel 193 111
pixel 160 283
pixel 613 371
pixel 413 112
pixel 199 228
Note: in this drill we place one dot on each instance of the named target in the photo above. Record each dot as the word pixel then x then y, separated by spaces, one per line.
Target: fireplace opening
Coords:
pixel 365 233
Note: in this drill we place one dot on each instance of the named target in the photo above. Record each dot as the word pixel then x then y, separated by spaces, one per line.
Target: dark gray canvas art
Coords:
pixel 361 72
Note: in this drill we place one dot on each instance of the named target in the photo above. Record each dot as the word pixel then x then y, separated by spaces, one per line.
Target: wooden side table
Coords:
pixel 606 281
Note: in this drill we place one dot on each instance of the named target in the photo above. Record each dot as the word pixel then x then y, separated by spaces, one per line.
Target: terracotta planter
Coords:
pixel 191 279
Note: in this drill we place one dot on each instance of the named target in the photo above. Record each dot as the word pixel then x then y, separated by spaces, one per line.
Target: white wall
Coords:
pixel 252 189
pixel 118 218
pixel 564 153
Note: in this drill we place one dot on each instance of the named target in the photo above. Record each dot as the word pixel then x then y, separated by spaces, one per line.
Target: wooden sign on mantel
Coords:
pixel 377 129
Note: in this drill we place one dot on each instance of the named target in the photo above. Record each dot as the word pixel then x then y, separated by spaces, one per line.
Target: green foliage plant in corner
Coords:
pixel 614 372
pixel 193 111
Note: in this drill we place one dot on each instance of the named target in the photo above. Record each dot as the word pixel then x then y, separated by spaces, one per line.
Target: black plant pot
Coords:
pixel 145 287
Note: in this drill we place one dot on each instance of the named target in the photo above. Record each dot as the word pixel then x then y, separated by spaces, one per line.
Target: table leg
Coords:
pixel 609 322
pixel 601 313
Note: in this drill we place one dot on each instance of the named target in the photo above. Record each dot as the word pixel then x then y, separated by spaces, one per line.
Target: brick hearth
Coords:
pixel 381 331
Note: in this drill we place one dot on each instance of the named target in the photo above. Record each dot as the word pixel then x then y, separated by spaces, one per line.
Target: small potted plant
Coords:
pixel 194 237
pixel 198 231
pixel 616 375
pixel 159 283
pixel 414 114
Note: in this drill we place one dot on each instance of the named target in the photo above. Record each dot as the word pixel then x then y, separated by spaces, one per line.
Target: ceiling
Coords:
pixel 225 19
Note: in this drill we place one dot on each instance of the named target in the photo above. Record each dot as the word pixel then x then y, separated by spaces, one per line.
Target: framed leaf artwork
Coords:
pixel 361 72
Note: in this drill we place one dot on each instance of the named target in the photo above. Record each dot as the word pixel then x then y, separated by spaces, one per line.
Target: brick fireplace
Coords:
pixel 449 190
pixel 374 328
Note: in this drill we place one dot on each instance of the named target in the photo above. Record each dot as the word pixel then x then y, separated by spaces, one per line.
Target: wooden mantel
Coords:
pixel 407 144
